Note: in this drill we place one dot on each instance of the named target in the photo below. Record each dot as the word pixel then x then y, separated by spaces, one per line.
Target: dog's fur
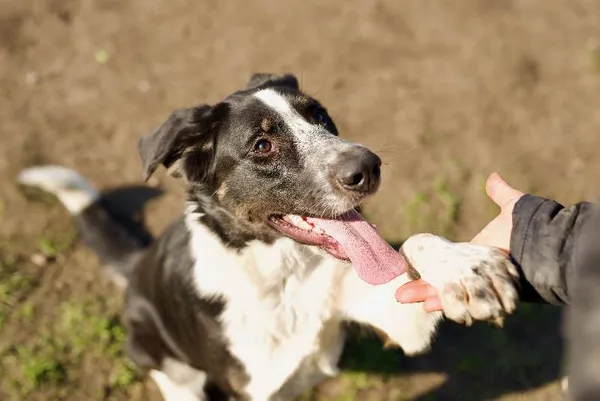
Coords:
pixel 223 304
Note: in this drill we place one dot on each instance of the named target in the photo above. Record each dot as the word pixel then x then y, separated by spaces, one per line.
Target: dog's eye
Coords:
pixel 321 116
pixel 263 146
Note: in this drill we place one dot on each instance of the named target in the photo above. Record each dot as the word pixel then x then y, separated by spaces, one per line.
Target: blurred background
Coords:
pixel 446 92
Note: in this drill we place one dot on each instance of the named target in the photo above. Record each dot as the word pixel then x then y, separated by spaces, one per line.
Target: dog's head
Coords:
pixel 267 161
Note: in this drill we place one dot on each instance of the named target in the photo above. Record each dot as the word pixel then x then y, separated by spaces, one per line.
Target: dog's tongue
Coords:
pixel 374 260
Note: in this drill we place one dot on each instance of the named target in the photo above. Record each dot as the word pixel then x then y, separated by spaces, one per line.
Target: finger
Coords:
pixel 500 191
pixel 432 305
pixel 414 283
pixel 415 291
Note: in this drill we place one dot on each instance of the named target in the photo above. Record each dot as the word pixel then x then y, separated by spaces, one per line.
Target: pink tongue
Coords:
pixel 374 260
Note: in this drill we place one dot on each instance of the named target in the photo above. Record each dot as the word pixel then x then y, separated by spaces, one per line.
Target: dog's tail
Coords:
pixel 114 237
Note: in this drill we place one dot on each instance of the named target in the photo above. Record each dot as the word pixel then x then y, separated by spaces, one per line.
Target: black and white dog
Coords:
pixel 245 296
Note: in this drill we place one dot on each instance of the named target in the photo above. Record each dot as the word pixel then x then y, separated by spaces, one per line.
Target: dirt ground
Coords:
pixel 446 92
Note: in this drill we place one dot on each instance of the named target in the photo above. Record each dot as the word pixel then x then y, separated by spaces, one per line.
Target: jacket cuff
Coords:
pixel 522 216
pixel 527 215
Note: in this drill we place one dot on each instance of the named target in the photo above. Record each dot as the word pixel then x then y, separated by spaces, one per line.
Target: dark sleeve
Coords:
pixel 542 244
pixel 583 317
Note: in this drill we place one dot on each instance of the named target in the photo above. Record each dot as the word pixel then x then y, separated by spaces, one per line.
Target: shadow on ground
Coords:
pixel 126 205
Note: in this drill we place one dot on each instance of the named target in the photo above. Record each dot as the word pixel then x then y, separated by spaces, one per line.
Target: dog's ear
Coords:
pixel 185 128
pixel 262 79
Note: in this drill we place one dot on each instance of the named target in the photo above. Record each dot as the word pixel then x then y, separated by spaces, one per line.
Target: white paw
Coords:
pixel 474 282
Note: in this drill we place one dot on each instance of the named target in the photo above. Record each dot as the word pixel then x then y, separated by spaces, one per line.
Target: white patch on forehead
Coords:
pixel 313 140
pixel 291 117
pixel 275 101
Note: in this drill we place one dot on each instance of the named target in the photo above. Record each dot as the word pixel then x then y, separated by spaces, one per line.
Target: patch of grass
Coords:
pixel 100 332
pixel 27 312
pixel 52 245
pixel 451 202
pixel 101 56
pixel 14 285
pixel 38 367
pixel 47 247
pixel 414 211
pixel 124 375
pixel 79 334
pixel 354 382
pixel 434 210
pixel 33 365
pixel 7 262
pixel 307 396
pixel 11 285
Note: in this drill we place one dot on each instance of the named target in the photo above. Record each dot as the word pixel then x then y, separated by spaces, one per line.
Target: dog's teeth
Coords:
pixel 304 225
pixel 297 220
pixel 318 230
pixel 301 223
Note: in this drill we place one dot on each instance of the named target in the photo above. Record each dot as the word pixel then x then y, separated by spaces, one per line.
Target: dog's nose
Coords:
pixel 359 170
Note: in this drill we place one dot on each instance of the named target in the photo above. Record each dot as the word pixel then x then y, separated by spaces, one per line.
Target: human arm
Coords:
pixel 539 234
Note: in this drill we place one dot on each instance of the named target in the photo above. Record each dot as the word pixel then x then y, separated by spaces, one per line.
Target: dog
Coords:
pixel 245 296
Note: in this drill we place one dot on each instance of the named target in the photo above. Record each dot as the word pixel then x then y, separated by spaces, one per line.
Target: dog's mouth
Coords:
pixel 348 237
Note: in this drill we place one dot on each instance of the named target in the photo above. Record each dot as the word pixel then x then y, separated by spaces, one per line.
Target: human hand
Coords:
pixel 496 233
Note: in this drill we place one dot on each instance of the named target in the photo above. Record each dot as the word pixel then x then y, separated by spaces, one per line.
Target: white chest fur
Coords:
pixel 279 301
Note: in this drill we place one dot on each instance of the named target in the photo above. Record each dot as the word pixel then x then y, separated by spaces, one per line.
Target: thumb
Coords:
pixel 500 191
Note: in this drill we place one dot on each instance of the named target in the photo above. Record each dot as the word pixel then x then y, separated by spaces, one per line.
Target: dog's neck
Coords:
pixel 232 231
pixel 231 255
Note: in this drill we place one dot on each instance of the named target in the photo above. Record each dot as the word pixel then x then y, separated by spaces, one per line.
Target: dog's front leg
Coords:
pixel 474 282
pixel 405 325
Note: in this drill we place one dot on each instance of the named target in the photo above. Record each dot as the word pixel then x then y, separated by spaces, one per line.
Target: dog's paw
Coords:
pixel 483 289
pixel 474 282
